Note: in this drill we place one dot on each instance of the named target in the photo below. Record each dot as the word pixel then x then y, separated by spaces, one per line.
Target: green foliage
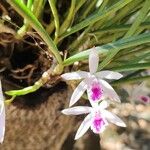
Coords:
pixel 118 29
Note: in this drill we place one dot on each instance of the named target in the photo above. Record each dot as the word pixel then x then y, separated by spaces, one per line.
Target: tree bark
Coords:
pixel 43 128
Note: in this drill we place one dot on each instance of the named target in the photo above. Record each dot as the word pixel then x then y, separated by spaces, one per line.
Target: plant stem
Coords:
pixel 22 31
pixel 56 17
pixel 69 18
pixel 134 5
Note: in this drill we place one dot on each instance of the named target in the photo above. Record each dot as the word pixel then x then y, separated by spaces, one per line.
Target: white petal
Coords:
pixel 75 75
pixel 78 92
pixel 78 110
pixel 1 93
pixel 85 125
pixel 2 115
pixel 109 74
pixel 93 60
pixel 113 118
pixel 104 104
pixel 1 99
pixel 2 125
pixel 1 106
pixel 109 91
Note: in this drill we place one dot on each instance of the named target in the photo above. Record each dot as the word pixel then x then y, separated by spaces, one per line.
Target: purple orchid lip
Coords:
pixel 145 99
pixel 98 124
pixel 96 91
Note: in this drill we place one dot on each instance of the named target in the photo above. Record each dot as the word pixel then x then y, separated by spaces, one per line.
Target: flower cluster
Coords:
pixel 98 91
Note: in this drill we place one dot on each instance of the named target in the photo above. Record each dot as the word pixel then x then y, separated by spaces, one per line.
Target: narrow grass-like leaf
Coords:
pixel 131 67
pixel 139 19
pixel 95 17
pixel 56 17
pixel 22 31
pixel 67 22
pixel 139 58
pixel 131 80
pixel 130 32
pixel 88 9
pixel 38 7
pixel 120 28
pixel 103 50
pixel 79 4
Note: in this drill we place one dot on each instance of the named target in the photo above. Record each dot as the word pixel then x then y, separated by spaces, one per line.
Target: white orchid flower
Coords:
pixel 2 115
pixel 139 93
pixel 97 119
pixel 97 88
pixel 145 99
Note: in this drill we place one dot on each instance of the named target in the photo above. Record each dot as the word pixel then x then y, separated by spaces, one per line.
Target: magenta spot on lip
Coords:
pixel 145 99
pixel 96 91
pixel 98 123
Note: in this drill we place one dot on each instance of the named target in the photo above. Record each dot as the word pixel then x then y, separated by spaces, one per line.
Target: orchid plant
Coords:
pixel 83 25
pixel 97 119
pixel 2 115
pixel 93 81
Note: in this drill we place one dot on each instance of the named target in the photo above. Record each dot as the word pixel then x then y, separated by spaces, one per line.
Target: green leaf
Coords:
pixel 139 19
pixel 131 80
pixel 96 17
pixel 114 46
pixel 56 17
pixel 131 67
pixel 25 91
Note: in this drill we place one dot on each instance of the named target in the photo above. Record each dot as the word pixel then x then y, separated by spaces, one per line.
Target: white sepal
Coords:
pixel 78 110
pixel 109 91
pixel 75 75
pixel 109 74
pixel 85 125
pixel 113 118
pixel 78 92
pixel 93 61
